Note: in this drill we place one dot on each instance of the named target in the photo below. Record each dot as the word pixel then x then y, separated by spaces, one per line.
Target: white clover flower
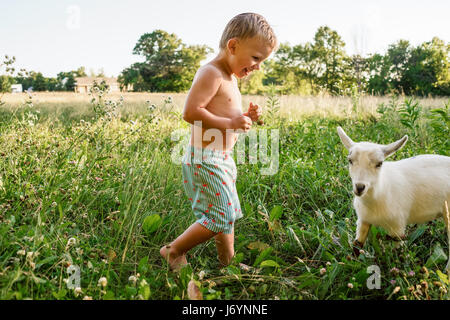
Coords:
pixel 201 275
pixel 71 242
pixel 32 254
pixel 54 204
pixel 132 279
pixel 77 291
pixel 21 252
pixel 102 282
pixel 350 285
pixel 87 298
pixel 323 271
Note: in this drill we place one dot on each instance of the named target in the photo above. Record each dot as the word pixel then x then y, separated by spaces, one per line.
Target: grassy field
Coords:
pixel 91 184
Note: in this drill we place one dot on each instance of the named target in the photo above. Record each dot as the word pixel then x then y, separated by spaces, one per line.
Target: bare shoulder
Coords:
pixel 208 72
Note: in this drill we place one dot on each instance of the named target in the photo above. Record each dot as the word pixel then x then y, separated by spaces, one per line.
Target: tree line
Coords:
pixel 318 66
pixel 64 81
pixel 321 65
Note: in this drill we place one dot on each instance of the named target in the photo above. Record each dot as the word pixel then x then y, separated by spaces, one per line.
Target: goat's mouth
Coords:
pixel 359 193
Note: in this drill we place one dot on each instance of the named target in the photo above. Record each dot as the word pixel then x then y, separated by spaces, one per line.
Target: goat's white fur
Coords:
pixel 397 193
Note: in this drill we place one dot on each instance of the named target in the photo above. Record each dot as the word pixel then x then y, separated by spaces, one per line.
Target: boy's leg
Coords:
pixel 225 247
pixel 176 251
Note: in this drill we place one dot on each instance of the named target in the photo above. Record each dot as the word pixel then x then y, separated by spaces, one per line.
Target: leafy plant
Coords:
pixel 409 113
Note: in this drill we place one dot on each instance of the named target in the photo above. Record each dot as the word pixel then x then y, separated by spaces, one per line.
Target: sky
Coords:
pixel 62 35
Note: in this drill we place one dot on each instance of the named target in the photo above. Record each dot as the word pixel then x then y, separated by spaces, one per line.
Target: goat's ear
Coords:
pixel 394 146
pixel 348 143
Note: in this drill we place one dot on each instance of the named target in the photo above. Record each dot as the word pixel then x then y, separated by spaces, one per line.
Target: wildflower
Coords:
pixel 328 263
pixel 396 289
pixel 411 273
pixel 31 255
pixel 132 279
pixel 71 242
pixel 87 298
pixel 322 271
pixel 393 281
pixel 54 204
pixel 350 285
pixel 21 252
pixel 102 282
pixel 395 270
pixel 77 291
pixel 201 275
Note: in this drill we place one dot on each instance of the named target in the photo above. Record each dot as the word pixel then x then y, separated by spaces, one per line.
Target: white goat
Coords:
pixel 392 194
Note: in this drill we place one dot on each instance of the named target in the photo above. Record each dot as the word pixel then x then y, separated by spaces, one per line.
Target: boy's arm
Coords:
pixel 204 87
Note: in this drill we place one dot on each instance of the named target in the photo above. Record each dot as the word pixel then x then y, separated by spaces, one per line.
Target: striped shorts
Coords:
pixel 209 178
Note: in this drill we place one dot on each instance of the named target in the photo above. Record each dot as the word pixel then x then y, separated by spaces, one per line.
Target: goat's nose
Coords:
pixel 360 188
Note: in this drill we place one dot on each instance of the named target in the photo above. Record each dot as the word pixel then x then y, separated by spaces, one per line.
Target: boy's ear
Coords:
pixel 231 45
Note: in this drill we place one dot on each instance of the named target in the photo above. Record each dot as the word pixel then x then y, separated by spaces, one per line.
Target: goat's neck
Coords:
pixel 375 195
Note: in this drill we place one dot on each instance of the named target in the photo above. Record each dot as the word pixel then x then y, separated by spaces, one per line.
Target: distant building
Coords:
pixel 15 88
pixel 84 84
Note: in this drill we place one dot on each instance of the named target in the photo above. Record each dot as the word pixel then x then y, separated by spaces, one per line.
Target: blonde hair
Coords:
pixel 248 25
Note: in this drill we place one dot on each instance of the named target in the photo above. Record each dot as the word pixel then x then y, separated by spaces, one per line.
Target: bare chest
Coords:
pixel 228 101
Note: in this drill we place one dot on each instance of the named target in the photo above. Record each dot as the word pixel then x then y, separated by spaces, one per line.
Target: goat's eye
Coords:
pixel 350 161
pixel 378 165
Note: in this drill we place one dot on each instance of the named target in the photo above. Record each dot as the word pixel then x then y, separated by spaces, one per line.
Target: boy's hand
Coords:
pixel 254 112
pixel 241 122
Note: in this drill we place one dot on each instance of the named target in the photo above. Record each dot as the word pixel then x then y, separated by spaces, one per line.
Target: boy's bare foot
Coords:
pixel 175 261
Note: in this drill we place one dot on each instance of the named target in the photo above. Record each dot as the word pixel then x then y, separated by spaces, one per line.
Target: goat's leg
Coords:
pixel 446 214
pixel 362 230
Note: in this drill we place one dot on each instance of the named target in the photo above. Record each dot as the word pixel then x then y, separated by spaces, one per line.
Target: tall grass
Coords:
pixel 66 173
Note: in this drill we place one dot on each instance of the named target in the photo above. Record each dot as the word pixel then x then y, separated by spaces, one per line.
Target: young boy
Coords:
pixel 213 107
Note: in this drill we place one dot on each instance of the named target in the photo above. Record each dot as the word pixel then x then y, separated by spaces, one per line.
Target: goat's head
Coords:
pixel 366 160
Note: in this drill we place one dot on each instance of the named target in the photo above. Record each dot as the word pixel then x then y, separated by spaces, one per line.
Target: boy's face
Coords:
pixel 247 55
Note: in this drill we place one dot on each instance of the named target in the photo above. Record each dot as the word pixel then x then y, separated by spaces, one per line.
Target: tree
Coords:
pixel 329 56
pixel 170 65
pixel 288 71
pixel 66 81
pixel 428 69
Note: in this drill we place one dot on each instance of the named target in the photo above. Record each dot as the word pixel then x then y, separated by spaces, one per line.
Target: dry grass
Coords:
pixel 291 106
